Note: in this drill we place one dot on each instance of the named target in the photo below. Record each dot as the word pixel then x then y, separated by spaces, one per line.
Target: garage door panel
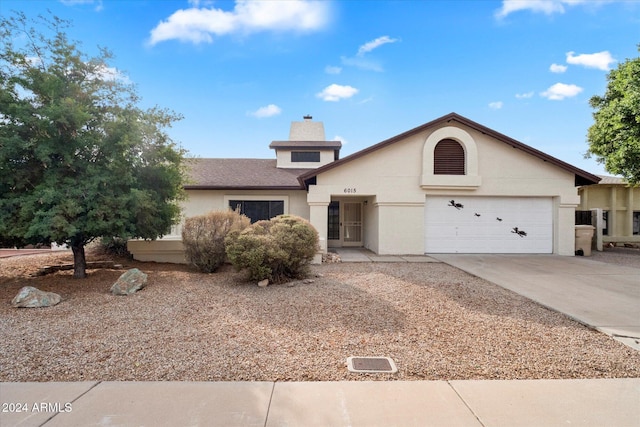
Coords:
pixel 488 225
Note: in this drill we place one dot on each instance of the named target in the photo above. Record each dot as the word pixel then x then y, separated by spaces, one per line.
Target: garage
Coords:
pixel 516 225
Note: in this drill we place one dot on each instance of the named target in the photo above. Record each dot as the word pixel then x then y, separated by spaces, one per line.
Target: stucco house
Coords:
pixel 619 205
pixel 448 186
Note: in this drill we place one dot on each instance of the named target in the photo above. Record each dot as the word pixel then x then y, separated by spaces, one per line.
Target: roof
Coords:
pixel 581 177
pixel 309 145
pixel 244 174
pixel 612 180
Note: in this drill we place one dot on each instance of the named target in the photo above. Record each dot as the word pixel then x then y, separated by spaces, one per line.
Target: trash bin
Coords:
pixel 584 237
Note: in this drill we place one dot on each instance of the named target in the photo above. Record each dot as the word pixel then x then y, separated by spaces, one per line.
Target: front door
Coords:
pixel 344 224
pixel 352 224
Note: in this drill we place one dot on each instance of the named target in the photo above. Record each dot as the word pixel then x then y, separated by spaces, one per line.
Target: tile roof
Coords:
pixel 249 174
pixel 612 180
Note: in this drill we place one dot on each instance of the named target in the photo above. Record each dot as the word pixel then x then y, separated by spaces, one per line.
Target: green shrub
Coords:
pixel 203 237
pixel 116 246
pixel 279 249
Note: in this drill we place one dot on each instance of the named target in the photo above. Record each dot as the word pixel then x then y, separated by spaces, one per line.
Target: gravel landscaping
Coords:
pixel 434 321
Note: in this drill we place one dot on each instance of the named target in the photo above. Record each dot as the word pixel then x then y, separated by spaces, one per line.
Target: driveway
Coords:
pixel 603 296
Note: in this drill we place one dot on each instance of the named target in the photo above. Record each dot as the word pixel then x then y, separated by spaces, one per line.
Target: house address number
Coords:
pixel 350 190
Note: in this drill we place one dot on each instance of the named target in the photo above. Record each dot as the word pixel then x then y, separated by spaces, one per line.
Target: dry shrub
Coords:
pixel 279 249
pixel 203 237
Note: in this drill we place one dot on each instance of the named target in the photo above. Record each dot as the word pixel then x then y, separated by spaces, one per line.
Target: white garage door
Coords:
pixel 488 225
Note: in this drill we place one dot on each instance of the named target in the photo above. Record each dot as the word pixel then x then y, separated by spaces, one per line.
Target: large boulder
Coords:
pixel 31 297
pixel 130 282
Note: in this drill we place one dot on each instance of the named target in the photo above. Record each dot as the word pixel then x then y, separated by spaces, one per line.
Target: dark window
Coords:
pixel 448 158
pixel 334 221
pixel 605 223
pixel 305 156
pixel 258 210
pixel 636 223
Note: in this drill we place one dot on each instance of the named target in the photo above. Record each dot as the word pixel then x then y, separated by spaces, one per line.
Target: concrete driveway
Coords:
pixel 603 296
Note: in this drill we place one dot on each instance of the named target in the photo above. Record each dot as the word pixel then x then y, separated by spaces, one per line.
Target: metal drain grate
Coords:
pixel 374 365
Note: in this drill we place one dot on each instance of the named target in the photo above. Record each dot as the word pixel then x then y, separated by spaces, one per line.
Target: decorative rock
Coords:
pixel 308 281
pixel 31 297
pixel 263 283
pixel 331 257
pixel 130 282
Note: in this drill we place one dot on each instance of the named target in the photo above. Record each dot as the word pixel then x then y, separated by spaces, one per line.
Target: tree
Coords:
pixel 78 159
pixel 614 138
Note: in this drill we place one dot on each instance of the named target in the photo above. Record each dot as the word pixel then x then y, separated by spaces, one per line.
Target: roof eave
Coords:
pixel 581 176
pixel 243 187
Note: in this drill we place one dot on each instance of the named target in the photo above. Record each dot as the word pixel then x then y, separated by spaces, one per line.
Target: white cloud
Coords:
pixel 362 63
pixel 330 69
pixel 341 139
pixel 268 111
pixel 360 60
pixel 557 68
pixel 560 91
pixel 198 25
pixel 98 3
pixel 525 95
pixel 544 6
pixel 548 7
pixel 599 60
pixel 336 92
pixel 495 105
pixel 373 44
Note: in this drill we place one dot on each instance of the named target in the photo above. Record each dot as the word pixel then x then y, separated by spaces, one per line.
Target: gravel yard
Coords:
pixel 435 321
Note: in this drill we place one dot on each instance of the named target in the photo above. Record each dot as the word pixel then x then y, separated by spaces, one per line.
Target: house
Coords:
pixel 619 204
pixel 448 186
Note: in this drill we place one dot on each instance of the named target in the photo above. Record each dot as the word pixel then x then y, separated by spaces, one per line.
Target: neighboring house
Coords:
pixel 620 207
pixel 448 186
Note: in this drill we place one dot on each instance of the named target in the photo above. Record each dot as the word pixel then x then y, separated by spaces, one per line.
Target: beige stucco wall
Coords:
pixel 394 180
pixel 170 249
pixel 284 159
pixel 203 201
pixel 621 201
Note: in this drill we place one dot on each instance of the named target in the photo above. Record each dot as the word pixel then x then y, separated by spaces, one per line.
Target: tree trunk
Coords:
pixel 79 262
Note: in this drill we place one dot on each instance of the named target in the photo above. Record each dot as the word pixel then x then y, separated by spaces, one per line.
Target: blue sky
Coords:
pixel 241 71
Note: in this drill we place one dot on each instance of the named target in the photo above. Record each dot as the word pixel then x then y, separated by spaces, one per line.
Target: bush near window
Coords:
pixel 279 249
pixel 116 246
pixel 203 237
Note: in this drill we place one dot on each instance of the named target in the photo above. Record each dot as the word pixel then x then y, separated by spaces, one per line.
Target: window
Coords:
pixel 605 223
pixel 258 210
pixel 448 158
pixel 636 222
pixel 333 224
pixel 305 156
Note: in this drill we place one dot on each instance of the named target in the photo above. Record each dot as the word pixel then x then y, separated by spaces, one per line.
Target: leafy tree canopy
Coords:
pixel 78 158
pixel 614 138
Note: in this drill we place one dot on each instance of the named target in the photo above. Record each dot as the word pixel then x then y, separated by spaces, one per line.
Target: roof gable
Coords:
pixel 581 177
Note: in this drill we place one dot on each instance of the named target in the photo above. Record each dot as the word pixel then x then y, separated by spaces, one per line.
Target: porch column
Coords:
pixel 629 219
pixel 613 212
pixel 319 218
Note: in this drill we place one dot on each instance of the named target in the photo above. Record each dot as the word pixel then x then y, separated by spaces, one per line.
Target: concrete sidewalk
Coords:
pixel 603 296
pixel 365 255
pixel 604 402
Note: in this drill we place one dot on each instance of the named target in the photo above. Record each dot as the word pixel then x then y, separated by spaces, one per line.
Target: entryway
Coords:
pixel 345 224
